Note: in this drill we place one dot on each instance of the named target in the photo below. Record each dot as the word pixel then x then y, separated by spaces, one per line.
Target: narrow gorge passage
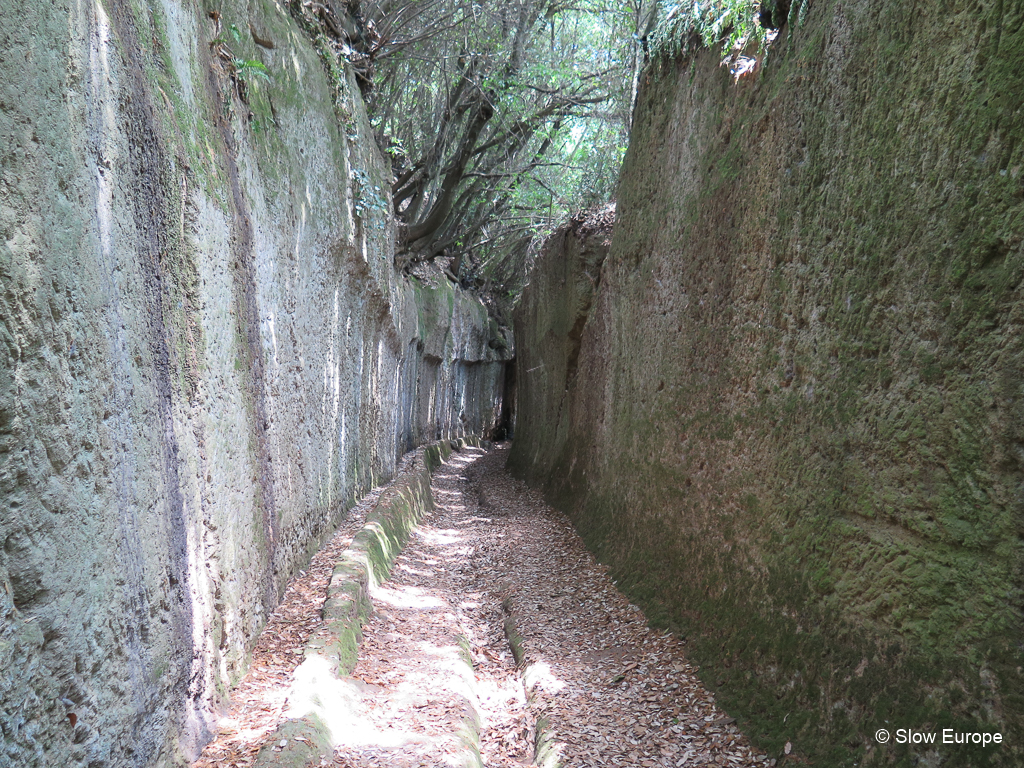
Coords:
pixel 438 678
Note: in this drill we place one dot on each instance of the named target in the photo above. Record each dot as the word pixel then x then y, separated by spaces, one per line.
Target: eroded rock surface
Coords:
pixel 207 355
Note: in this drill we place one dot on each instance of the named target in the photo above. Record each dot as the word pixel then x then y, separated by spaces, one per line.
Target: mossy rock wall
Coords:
pixel 205 349
pixel 795 423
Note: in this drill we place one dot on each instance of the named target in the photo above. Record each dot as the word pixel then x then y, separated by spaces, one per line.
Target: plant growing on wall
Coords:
pixel 368 201
pixel 733 24
pixel 242 71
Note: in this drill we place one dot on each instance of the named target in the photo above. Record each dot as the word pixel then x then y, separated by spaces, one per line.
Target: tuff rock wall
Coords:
pixel 205 355
pixel 788 405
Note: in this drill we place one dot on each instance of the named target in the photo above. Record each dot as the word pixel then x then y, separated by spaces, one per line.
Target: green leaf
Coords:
pixel 246 68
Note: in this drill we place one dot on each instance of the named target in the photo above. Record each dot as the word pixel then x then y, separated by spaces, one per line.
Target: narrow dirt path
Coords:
pixel 436 670
pixel 441 686
pixel 611 691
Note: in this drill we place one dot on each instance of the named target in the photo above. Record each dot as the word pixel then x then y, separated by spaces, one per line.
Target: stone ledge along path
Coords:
pixel 498 640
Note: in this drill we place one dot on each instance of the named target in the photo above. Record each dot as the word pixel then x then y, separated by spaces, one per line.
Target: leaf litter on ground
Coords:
pixel 435 668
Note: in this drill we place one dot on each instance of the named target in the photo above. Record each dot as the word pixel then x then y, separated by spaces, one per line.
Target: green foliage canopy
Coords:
pixel 501 117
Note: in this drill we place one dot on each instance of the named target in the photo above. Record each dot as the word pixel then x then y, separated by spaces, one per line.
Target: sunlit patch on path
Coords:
pixel 260 700
pixel 434 661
